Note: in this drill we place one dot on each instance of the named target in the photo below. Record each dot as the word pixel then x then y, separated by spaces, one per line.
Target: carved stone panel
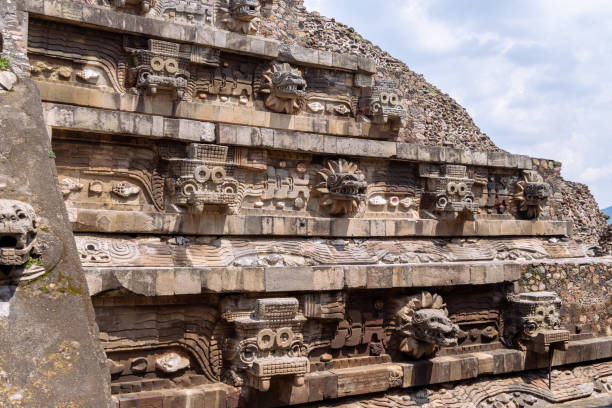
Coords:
pixel 448 190
pixel 532 321
pixel 268 342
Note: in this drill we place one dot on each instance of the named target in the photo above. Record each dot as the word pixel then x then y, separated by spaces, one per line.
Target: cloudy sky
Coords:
pixel 536 75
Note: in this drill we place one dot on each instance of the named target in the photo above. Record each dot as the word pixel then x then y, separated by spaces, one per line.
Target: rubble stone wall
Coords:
pixel 584 289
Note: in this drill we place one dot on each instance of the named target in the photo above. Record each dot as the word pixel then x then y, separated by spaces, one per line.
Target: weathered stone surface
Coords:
pixel 49 351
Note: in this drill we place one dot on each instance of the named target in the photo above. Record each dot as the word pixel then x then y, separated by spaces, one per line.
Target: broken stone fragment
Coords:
pixel 171 362
pixel 7 80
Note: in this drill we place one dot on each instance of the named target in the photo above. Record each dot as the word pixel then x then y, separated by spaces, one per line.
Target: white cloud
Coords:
pixel 534 74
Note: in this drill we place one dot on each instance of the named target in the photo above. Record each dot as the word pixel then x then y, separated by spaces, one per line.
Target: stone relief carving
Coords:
pixel 449 190
pixel 202 179
pixel 160 346
pixel 532 321
pixel 533 194
pixel 268 342
pixel 248 181
pixel 342 188
pixel 19 251
pixel 243 16
pixel 285 88
pixel 423 325
pixel 200 12
pixel 148 251
pixel 361 333
pixel 18 231
pixel 383 104
pixel 165 65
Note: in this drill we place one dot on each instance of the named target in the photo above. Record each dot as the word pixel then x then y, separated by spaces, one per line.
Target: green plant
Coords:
pixel 52 155
pixel 31 261
pixel 4 64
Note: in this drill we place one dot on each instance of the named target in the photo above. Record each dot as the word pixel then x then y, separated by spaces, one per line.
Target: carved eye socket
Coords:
pixel 530 326
pixel 21 215
pixel 248 354
pixel 393 99
pixel 384 98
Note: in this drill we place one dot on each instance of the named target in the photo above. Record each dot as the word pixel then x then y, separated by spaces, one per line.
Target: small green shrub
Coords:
pixel 4 64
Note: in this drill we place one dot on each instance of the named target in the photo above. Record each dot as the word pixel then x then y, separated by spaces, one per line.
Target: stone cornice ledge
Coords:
pixel 135 222
pixel 80 118
pixel 173 281
pixel 95 17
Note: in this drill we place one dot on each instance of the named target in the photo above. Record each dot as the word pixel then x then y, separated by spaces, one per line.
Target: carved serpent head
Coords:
pixel 245 10
pixel 18 230
pixel 286 87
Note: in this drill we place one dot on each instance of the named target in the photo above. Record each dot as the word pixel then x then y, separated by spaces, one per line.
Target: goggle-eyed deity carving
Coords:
pixel 165 65
pixel 423 325
pixel 202 179
pixel 448 189
pixel 532 321
pixel 343 187
pixel 533 194
pixel 18 231
pixel 286 88
pixel 383 104
pixel 268 343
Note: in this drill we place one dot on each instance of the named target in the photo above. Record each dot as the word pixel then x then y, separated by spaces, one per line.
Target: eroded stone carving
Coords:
pixel 243 16
pixel 18 232
pixel 449 190
pixel 383 104
pixel 343 187
pixel 202 179
pixel 423 325
pixel 532 321
pixel 286 88
pixel 533 194
pixel 160 64
pixel 268 342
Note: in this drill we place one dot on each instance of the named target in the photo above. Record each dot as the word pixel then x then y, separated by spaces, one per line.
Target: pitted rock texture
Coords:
pixel 12 36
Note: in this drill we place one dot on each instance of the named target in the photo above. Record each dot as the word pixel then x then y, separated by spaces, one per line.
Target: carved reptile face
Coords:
pixel 434 327
pixel 245 10
pixel 536 193
pixel 347 185
pixel 18 228
pixel 543 317
pixel 288 85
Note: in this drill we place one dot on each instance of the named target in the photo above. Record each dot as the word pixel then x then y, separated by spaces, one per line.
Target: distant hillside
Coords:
pixel 608 211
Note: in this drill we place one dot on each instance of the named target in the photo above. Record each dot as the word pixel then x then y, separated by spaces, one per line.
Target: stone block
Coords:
pixel 288 279
pixel 164 282
pixel 244 279
pixel 485 363
pixel 379 277
pixel 355 276
pixel 441 370
pixel 322 386
pixel 366 64
pixel 362 380
pixel 187 281
pixel 327 278
pixel 402 277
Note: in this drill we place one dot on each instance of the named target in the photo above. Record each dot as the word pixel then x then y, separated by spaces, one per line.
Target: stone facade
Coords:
pixel 270 211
